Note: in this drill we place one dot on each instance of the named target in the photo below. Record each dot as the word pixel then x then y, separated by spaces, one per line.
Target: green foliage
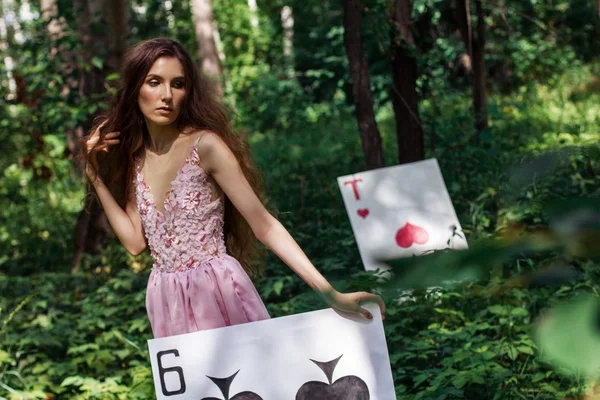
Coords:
pixel 83 335
pixel 79 347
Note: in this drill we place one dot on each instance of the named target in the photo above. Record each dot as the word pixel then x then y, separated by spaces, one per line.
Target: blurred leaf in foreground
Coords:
pixel 449 267
pixel 576 225
pixel 568 336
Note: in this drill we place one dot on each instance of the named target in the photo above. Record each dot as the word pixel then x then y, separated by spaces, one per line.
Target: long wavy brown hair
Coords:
pixel 201 110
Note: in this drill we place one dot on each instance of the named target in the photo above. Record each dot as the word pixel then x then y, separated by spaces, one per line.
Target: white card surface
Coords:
pixel 400 211
pixel 273 358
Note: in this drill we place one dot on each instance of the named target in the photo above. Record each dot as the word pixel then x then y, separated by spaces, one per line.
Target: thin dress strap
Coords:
pixel 197 140
pixel 136 167
pixel 194 157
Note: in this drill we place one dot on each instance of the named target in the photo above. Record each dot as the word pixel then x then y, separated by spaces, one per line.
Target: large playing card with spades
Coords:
pixel 318 355
pixel 400 211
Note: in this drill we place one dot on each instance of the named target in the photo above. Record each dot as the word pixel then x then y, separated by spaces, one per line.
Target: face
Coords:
pixel 163 91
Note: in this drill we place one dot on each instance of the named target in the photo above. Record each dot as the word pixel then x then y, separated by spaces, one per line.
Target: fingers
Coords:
pixel 103 147
pixel 95 137
pixel 366 296
pixel 381 306
pixel 112 135
pixel 365 313
pixel 349 304
pixel 105 144
pixel 349 315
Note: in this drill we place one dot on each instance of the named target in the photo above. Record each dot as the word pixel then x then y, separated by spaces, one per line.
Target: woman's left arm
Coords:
pixel 218 160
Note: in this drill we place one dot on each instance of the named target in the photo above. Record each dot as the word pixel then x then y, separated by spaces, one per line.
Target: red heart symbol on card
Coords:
pixel 363 212
pixel 409 234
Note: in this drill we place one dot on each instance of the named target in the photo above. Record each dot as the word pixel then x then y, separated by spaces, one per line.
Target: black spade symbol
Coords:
pixel 346 388
pixel 225 383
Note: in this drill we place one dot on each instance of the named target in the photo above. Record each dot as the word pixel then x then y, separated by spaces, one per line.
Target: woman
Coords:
pixel 172 175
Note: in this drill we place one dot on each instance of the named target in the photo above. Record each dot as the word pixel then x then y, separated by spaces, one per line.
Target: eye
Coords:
pixel 153 83
pixel 178 85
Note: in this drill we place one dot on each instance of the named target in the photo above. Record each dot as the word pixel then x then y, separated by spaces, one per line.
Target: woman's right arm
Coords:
pixel 127 224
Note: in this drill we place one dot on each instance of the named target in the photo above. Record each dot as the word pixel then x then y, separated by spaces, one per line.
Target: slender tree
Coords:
pixel 92 226
pixel 253 13
pixel 409 131
pixel 207 48
pixel 4 46
pixel 287 23
pixel 475 45
pixel 223 59
pixel 55 23
pixel 361 86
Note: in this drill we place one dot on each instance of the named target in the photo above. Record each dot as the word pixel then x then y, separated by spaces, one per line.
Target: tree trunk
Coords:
pixel 479 72
pixel 118 15
pixel 92 225
pixel 361 86
pixel 55 23
pixel 8 61
pixel 10 13
pixel 253 16
pixel 475 45
pixel 287 23
pixel 203 22
pixel 223 60
pixel 409 131
pixel 11 36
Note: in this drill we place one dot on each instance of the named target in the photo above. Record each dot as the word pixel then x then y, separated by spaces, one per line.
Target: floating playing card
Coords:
pixel 400 211
pixel 312 356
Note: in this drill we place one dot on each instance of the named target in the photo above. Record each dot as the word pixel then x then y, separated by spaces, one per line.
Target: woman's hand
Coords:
pixel 93 146
pixel 348 304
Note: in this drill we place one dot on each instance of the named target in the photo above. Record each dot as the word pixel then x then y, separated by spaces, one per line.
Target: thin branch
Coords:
pixel 414 116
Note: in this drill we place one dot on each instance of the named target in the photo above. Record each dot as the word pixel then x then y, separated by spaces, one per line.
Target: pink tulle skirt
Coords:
pixel 216 294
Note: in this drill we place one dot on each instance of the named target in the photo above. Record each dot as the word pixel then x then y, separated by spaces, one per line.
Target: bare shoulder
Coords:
pixel 209 142
pixel 211 149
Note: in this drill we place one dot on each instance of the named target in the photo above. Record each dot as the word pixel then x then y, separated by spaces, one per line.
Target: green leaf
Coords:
pixel 278 287
pixel 519 312
pixel 488 355
pixel 481 349
pixel 5 357
pixel 525 350
pixel 512 353
pixel 72 381
pixel 122 354
pixel 97 62
pixel 420 379
pixel 497 309
pixel 459 381
pixel 476 378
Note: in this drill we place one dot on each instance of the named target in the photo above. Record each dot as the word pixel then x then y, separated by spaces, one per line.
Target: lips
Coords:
pixel 164 111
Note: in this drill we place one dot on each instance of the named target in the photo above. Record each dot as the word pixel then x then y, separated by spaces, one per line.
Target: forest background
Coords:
pixel 503 93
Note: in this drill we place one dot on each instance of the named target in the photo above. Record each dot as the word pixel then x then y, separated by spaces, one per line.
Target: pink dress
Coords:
pixel 194 284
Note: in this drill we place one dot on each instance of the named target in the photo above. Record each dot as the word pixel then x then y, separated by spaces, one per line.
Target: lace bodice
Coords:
pixel 190 231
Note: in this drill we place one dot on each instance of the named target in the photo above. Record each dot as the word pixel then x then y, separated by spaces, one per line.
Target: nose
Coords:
pixel 167 94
